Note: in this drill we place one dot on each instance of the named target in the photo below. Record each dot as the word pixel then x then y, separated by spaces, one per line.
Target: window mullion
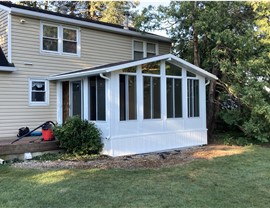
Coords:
pixel 151 97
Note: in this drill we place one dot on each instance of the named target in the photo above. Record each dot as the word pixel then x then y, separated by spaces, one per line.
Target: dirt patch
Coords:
pixel 152 160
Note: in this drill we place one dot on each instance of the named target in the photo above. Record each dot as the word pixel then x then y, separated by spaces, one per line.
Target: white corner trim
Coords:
pixel 9 39
pixel 8 68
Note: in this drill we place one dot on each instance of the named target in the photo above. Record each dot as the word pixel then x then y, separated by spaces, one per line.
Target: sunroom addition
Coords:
pixel 147 105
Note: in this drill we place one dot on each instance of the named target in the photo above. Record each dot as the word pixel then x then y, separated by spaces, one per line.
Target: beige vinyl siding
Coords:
pixel 4 31
pixel 97 48
pixel 164 48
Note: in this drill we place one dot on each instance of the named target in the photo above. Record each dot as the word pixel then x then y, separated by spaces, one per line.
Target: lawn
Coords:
pixel 241 180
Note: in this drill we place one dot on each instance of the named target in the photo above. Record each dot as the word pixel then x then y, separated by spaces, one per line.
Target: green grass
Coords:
pixel 233 181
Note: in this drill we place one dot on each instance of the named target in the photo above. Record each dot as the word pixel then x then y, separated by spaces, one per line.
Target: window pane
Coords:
pixel 138 55
pixel 178 97
pixel 150 55
pixel 147 97
pixel 69 47
pixel 50 31
pixel 38 86
pixel 156 97
pixel 92 97
pixel 132 97
pixel 76 98
pixel 173 70
pixel 169 98
pixel 138 46
pixel 69 34
pixel 151 68
pixel 101 99
pixel 130 70
pixel 196 98
pixel 38 97
pixel 50 44
pixel 151 47
pixel 189 74
pixel 189 94
pixel 122 98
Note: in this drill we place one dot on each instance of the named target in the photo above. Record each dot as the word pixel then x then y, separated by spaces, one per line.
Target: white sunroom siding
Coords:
pixel 4 31
pixel 150 135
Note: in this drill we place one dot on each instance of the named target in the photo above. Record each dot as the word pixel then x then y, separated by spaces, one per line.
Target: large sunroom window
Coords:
pixel 97 90
pixel 174 90
pixel 193 98
pixel 128 97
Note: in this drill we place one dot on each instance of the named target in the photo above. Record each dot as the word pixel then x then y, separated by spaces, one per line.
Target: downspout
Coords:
pixel 207 83
pixel 110 125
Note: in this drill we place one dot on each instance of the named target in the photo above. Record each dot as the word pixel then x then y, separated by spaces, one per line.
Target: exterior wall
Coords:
pixel 150 135
pixel 97 48
pixel 4 31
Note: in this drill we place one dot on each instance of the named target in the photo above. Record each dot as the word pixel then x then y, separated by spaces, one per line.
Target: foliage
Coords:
pixel 240 181
pixel 105 11
pixel 79 136
pixel 233 43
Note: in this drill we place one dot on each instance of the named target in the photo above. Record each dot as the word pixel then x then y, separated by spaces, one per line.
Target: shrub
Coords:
pixel 79 136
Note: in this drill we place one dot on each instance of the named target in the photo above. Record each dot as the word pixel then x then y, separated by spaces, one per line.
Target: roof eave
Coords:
pixel 51 17
pixel 7 68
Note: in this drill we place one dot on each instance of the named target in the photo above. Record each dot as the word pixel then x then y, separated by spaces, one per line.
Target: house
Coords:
pixel 143 98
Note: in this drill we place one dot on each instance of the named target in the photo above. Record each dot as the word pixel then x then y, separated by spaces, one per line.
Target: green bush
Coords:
pixel 79 136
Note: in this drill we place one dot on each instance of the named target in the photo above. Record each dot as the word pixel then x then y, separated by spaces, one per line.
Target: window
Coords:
pixel 174 91
pixel 38 92
pixel 69 41
pixel 128 94
pixel 59 39
pixel 193 97
pixel 151 94
pixel 143 49
pixel 97 90
pixel 50 38
pixel 174 98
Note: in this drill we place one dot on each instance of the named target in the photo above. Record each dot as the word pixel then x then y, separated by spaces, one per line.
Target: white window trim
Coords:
pixel 47 92
pixel 60 40
pixel 144 47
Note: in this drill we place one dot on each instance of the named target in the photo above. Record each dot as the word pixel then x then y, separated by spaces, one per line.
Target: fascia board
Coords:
pixel 7 9
pixel 85 24
pixel 7 68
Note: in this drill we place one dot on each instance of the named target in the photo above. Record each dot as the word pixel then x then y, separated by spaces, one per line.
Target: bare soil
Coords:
pixel 152 160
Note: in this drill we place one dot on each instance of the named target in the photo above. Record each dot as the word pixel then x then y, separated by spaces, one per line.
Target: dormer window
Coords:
pixel 143 49
pixel 60 40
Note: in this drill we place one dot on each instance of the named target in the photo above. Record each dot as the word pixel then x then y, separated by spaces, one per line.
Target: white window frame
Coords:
pixel 189 114
pixel 144 47
pixel 60 29
pixel 47 92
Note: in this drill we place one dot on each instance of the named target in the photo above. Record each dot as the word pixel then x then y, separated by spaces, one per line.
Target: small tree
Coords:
pixel 79 136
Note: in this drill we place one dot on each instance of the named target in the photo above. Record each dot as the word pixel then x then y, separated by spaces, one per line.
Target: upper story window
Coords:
pixel 38 92
pixel 143 49
pixel 59 39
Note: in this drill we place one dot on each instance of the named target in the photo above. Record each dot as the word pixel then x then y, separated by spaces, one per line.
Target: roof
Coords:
pixel 55 16
pixel 131 63
pixel 4 64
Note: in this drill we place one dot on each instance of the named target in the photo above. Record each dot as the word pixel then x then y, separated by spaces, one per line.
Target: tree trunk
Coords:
pixel 212 107
pixel 196 47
